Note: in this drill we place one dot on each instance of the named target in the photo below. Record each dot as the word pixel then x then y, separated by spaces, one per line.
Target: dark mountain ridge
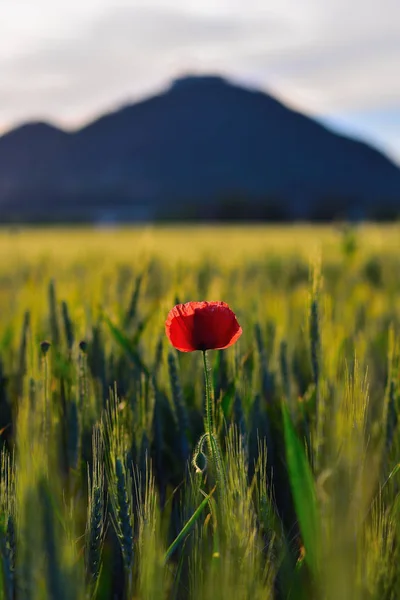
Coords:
pixel 203 148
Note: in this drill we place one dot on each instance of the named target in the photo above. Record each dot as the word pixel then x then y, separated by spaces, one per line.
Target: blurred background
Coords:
pixel 222 110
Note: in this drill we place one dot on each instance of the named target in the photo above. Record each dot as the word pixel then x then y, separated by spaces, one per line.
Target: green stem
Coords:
pixel 209 395
pixel 209 425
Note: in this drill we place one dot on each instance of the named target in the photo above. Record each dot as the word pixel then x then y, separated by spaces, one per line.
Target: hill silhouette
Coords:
pixel 204 148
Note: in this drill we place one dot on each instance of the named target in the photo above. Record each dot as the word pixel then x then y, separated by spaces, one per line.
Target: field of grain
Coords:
pixel 109 489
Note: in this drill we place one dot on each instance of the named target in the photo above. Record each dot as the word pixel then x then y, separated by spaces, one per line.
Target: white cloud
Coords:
pixel 122 54
pixel 71 60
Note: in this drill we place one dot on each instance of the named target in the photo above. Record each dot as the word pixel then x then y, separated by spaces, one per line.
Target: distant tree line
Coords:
pixel 229 208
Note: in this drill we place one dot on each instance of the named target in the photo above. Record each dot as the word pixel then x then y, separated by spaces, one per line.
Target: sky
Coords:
pixel 67 62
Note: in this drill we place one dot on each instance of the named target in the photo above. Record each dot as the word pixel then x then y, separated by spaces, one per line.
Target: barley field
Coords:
pixel 110 487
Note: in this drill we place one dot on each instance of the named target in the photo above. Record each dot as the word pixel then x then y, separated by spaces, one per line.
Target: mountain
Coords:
pixel 204 148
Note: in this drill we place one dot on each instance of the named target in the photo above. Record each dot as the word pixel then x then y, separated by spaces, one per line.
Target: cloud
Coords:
pixel 123 53
pixel 82 58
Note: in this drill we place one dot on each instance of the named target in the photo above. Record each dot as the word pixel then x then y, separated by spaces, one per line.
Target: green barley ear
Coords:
pixel 83 377
pixel 22 353
pixel 45 346
pixel 68 326
pixel 314 328
pixel 96 528
pixel 262 427
pixel 316 362
pixel 119 482
pixel 132 310
pixel 179 405
pixel 53 314
pixel 124 514
pixel 95 523
pixel 97 361
pixel 151 581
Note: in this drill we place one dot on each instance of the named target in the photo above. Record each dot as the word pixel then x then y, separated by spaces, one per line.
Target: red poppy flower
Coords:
pixel 202 326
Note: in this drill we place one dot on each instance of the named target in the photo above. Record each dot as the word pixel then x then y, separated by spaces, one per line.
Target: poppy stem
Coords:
pixel 209 394
pixel 209 424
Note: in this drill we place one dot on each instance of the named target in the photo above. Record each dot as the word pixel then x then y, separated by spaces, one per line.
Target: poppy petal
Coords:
pixel 179 327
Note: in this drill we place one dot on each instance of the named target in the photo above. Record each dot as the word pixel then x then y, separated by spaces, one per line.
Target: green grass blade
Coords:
pixel 303 490
pixel 188 526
